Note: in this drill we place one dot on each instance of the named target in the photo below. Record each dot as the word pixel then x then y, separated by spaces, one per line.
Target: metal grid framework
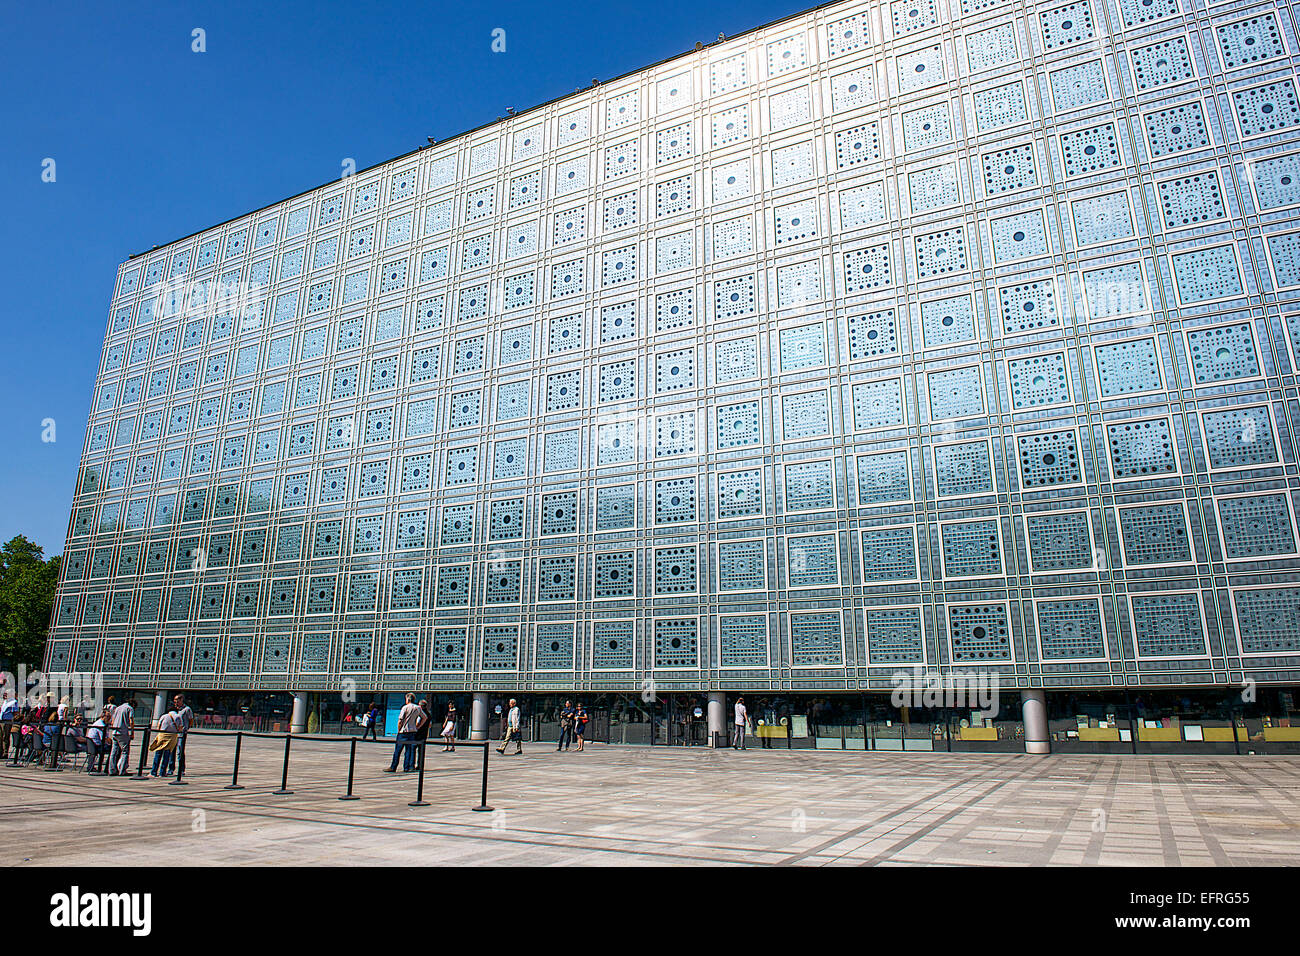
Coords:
pixel 959 333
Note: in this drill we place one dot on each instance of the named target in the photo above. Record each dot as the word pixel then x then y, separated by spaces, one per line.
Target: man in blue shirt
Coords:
pixel 566 726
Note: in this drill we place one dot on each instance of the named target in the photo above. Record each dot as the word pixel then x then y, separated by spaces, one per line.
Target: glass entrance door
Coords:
pixel 679 720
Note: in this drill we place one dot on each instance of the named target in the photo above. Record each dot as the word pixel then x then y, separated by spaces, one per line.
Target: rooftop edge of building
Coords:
pixel 518 114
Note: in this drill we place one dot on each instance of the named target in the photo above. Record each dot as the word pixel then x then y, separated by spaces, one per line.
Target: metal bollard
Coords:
pixel 144 753
pixel 352 764
pixel 284 790
pixel 180 764
pixel 234 777
pixel 419 789
pixel 483 804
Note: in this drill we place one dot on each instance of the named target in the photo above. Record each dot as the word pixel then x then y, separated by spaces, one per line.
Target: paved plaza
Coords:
pixel 644 806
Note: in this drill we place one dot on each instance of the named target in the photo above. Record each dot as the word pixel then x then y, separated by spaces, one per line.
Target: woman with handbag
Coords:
pixel 580 725
pixel 449 730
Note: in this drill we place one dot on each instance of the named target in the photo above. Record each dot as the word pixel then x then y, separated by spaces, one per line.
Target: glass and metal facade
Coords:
pixel 958 334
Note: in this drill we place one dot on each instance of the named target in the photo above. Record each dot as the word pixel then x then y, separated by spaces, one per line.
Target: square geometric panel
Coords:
pixel 962 469
pixel 1059 541
pixel 1141 449
pixel 1223 353
pixel 979 633
pixel 1167 625
pixel 1256 526
pixel 1240 437
pixel 1155 534
pixel 1070 630
pixel 1049 459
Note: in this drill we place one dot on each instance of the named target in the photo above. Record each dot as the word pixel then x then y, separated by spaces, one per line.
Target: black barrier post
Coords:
pixel 234 777
pixel 180 764
pixel 483 804
pixel 284 790
pixel 144 751
pixel 352 763
pixel 419 789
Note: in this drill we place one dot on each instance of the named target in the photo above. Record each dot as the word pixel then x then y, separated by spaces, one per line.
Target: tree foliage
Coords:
pixel 27 584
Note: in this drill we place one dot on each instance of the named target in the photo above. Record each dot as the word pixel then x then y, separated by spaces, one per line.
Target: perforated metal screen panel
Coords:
pixel 923 332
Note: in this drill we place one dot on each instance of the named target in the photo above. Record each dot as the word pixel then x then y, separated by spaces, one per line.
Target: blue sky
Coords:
pixel 152 142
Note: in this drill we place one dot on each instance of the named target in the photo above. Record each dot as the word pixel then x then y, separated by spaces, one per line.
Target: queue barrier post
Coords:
pixel 284 790
pixel 482 803
pixel 284 772
pixel 234 776
pixel 144 752
pixel 419 789
pixel 180 766
pixel 352 764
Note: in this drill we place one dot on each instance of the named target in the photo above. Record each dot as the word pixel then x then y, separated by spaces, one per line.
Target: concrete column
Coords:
pixel 298 719
pixel 717 716
pixel 1033 710
pixel 159 707
pixel 478 717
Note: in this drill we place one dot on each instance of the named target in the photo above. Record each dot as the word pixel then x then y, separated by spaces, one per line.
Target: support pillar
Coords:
pixel 717 717
pixel 478 717
pixel 1033 710
pixel 159 707
pixel 298 719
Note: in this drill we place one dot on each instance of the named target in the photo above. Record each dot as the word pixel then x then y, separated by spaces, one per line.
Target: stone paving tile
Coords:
pixel 638 806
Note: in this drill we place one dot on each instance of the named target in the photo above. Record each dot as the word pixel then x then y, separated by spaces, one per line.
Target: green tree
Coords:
pixel 27 584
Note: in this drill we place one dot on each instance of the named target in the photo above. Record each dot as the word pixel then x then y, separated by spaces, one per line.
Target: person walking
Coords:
pixel 449 730
pixel 372 723
pixel 185 720
pixel 742 715
pixel 579 725
pixel 119 760
pixel 512 730
pixel 566 726
pixel 409 720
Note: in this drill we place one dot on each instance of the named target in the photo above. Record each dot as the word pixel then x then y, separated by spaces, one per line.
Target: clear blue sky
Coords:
pixel 153 142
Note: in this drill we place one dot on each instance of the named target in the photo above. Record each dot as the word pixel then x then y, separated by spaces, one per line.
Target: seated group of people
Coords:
pixel 44 733
pixel 34 733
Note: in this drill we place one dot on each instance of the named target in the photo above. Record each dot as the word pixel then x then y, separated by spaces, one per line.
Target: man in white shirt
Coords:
pixel 409 721
pixel 512 730
pixel 121 725
pixel 738 743
pixel 119 761
pixel 185 720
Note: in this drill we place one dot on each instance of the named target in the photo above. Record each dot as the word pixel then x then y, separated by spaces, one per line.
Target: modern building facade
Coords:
pixel 941 334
